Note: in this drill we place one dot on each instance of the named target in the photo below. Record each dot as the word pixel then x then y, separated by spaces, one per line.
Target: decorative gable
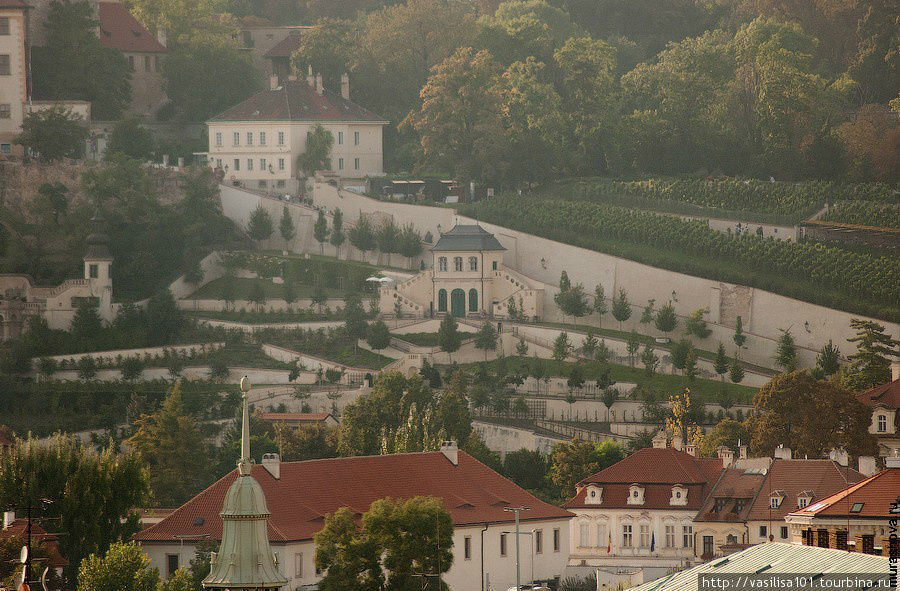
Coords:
pixel 804 498
pixel 635 495
pixel 776 498
pixel 679 495
pixel 594 495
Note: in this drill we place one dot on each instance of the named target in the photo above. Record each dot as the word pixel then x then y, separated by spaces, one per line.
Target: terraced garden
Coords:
pixel 865 213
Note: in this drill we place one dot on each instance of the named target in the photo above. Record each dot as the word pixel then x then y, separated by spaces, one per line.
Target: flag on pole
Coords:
pixel 609 544
pixel 30 88
pixel 652 541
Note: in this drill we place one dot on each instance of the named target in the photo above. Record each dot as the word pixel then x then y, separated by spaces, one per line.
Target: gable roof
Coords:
pixel 308 491
pixel 887 395
pixel 792 477
pixel 295 100
pixel 467 237
pixel 733 484
pixel 286 47
pixel 18 528
pixel 876 494
pixel 120 30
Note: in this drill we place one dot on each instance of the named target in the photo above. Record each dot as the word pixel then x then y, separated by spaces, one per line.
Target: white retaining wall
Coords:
pixel 111 355
pixel 275 305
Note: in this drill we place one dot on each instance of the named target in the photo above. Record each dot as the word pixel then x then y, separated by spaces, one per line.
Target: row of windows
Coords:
pixel 236 138
pixel 5 111
pixel 263 164
pixel 341 164
pixel 150 65
pixel 458 295
pixel 4 25
pixel 537 534
pixel 4 64
pixel 645 537
pixel 764 531
pixel 821 538
pixel 340 138
pixel 458 264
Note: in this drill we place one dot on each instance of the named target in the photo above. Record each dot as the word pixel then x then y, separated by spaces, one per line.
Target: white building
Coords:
pixel 300 494
pixel 256 143
pixel 12 74
pixel 884 400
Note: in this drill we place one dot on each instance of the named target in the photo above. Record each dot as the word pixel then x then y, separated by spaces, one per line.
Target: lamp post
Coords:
pixel 517 510
pixel 528 533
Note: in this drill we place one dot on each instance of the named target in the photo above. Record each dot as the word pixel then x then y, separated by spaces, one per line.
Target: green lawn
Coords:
pixel 422 339
pixel 244 287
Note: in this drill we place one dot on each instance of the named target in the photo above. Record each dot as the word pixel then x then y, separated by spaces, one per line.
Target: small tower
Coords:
pixel 244 561
pixel 97 266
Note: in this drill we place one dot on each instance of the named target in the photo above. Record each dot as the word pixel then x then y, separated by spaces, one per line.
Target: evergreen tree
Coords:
pixel 648 313
pixel 362 236
pixel 448 335
pixel 522 348
pixel 828 359
pixel 589 346
pixel 486 338
pixel 564 283
pixel 721 362
pixel 736 373
pixel 320 230
pixel 286 226
pixel 379 336
pixel 649 359
pixel 561 348
pixel 410 243
pixel 337 231
pixel 388 237
pixel 621 309
pixel 600 305
pixel 870 365
pixel 690 364
pixel 632 345
pixel 86 326
pixel 786 352
pixel 680 352
pixel 739 337
pixel 666 320
pixel 573 302
pixel 260 225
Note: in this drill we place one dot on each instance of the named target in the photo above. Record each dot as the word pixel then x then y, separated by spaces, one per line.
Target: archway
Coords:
pixel 473 300
pixel 442 300
pixel 458 302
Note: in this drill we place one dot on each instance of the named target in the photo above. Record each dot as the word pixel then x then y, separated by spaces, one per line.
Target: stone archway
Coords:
pixel 458 302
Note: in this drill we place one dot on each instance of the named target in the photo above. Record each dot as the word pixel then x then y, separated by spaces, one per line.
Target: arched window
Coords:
pixel 473 300
pixel 473 263
pixel 442 300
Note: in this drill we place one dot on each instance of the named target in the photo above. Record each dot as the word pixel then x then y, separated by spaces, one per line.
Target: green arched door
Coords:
pixel 458 302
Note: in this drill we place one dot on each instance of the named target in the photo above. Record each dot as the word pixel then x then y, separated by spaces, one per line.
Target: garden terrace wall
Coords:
pixel 247 327
pixel 764 314
pixel 110 357
pixel 352 375
pixel 274 305
pixel 195 372
pixel 504 439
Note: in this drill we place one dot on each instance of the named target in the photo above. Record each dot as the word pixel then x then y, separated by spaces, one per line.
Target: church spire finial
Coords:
pixel 244 465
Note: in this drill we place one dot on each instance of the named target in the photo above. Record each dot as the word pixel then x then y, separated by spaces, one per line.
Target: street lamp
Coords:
pixel 517 510
pixel 528 533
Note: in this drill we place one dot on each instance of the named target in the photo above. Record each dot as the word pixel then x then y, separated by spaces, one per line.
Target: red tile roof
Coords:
pixel 884 395
pixel 821 477
pixel 286 47
pixel 733 484
pixel 295 417
pixel 19 527
pixel 295 100
pixel 876 494
pixel 308 491
pixel 120 30
pixel 17 4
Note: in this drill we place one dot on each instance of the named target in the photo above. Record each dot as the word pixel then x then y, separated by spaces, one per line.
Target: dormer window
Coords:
pixel 679 495
pixel 803 499
pixel 882 423
pixel 719 505
pixel 635 495
pixel 594 495
pixel 774 502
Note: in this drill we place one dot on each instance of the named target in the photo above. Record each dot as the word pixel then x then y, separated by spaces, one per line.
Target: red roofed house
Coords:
pixel 144 52
pixel 300 494
pixel 256 143
pixel 17 528
pixel 884 400
pixel 854 519
pixel 635 518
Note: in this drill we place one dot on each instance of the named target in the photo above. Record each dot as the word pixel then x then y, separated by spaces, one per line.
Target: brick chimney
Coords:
pixel 867 465
pixel 162 37
pixel 783 453
pixel 691 449
pixel 895 371
pixel 840 456
pixel 726 455
pixel 310 79
pixel 345 86
pixel 319 87
pixel 272 463
pixel 451 452
pixel 273 82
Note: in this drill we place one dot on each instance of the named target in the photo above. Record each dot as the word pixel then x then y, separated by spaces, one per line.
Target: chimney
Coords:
pixel 310 79
pixel 726 455
pixel 895 371
pixel 449 449
pixel 273 82
pixel 783 453
pixel 867 466
pixel 8 518
pixel 345 86
pixel 742 451
pixel 161 37
pixel 676 442
pixel 840 456
pixel 691 449
pixel 272 463
pixel 319 87
pixel 659 440
pixel 893 461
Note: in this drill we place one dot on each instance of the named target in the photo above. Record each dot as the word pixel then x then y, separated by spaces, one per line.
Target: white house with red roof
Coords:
pixel 256 143
pixel 884 400
pixel 300 494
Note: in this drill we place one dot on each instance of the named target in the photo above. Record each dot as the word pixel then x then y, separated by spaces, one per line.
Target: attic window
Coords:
pixel 199 521
pixel 857 507
pixel 774 502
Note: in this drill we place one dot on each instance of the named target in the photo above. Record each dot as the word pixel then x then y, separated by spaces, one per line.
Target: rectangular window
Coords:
pixel 93 271
pixel 262 164
pixel 601 535
pixel 281 164
pixel 280 138
pixel 261 184
pixel 442 264
pixel 280 184
pixel 763 531
pixel 131 62
pixel 171 564
pixel 237 138
pixel 687 536
pixel 467 547
pixel 882 423
pixel 784 533
pixel 719 505
pixel 219 138
pixel 156 63
pixel 218 163
pixel 249 163
pixel 774 502
pixel 298 566
pixel 840 540
pixel 249 138
pixel 584 535
pixel 4 65
pixel 237 164
pixel 146 63
pixel 5 111
pixel 356 164
pixel 473 263
pixel 494 265
pixel 457 264
pixel 5 148
pixel 645 535
pixel 556 539
pixel 822 541
pixel 4 26
pixel 502 544
pixel 539 541
pixel 340 164
pixel 355 138
pixel 340 138
pixel 670 536
pixel 627 536
pixel 262 138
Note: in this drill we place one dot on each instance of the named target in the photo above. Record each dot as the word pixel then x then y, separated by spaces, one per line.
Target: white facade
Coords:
pixel 12 77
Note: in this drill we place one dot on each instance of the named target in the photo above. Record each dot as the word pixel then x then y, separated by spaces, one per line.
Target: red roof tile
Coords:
pixel 18 528
pixel 120 30
pixel 821 477
pixel 16 4
pixel 299 417
pixel 876 494
pixel 884 395
pixel 656 496
pixel 295 100
pixel 308 491
pixel 732 484
pixel 286 47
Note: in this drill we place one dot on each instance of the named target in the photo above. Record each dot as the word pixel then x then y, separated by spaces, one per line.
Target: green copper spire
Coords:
pixel 244 560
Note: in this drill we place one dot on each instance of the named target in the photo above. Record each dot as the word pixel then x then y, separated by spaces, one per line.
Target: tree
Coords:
pixel 809 416
pixel 728 433
pixel 720 364
pixel 388 237
pixel 54 133
pixel 786 351
pixel 736 371
pixel 203 78
pixel 870 365
pixel 379 335
pixel 327 48
pixel 739 337
pixel 666 320
pixel 317 155
pixel 573 462
pixel 260 225
pixel 649 359
pixel 602 354
pixel 362 236
pixel 410 243
pixel 65 66
pixel 680 352
pixel 608 398
pixel 828 359
pixel 575 380
pixel 448 335
pixel 486 338
pixel 87 368
pixel 696 324
pixel 131 138
pixel 564 283
pixel 355 325
pixel 170 442
pixel 54 195
pixel 648 313
pixel 561 348
pixel 589 346
pixel 337 231
pixel 86 325
pixel 621 309
pixel 228 288
pixel 685 416
pixel 521 348
pixel 165 320
pixel 690 364
pixel 124 567
pixel 573 302
pixel 286 226
pixel 349 558
pixel 527 468
pixel 632 345
pixel 320 230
